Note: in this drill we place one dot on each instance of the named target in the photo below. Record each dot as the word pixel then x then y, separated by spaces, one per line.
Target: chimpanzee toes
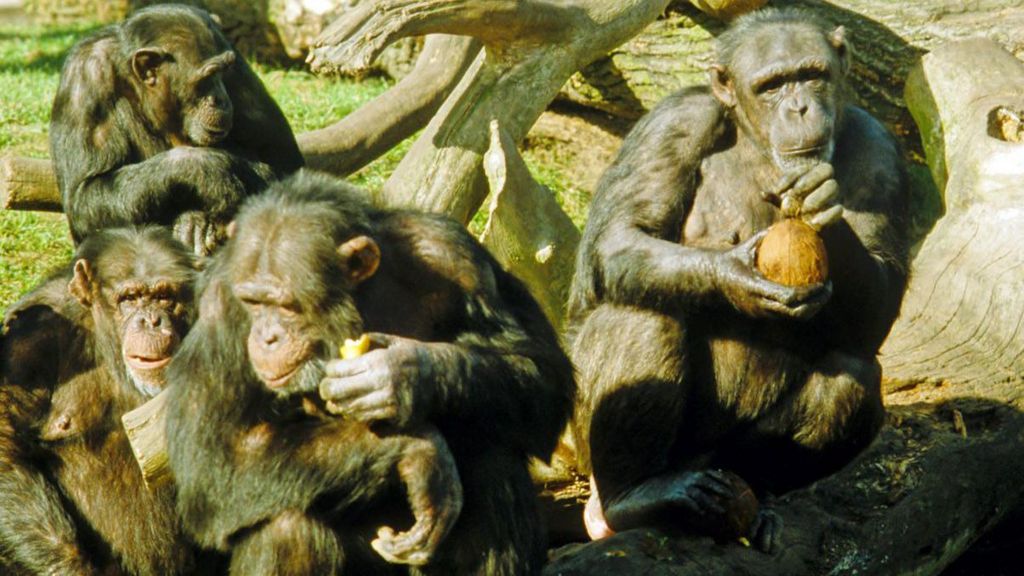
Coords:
pixel 413 548
pixel 766 532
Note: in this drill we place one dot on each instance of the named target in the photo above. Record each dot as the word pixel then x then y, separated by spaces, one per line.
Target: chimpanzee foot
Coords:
pixel 702 492
pixel 766 532
pixel 415 547
pixel 593 516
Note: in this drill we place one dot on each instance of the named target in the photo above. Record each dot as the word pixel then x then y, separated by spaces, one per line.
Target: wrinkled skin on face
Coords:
pixel 297 319
pixel 782 89
pixel 141 304
pixel 184 92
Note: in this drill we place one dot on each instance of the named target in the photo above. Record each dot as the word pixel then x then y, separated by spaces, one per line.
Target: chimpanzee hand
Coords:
pixel 809 193
pixel 200 232
pixel 743 286
pixel 388 384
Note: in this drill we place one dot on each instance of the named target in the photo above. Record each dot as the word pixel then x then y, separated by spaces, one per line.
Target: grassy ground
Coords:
pixel 30 61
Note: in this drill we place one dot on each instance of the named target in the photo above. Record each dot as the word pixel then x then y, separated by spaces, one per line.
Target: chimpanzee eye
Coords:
pixel 770 86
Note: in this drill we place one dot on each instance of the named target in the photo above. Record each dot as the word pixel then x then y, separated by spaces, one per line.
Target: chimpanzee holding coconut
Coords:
pixel 694 366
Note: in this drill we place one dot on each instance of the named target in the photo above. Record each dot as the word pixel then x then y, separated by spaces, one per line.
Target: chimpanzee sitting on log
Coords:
pixel 158 120
pixel 79 351
pixel 690 360
pixel 460 344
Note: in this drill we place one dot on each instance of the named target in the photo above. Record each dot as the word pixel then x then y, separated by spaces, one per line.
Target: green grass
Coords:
pixel 30 59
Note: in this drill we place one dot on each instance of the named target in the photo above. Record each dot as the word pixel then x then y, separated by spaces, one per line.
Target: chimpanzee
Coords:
pixel 89 344
pixel 690 361
pixel 460 345
pixel 158 120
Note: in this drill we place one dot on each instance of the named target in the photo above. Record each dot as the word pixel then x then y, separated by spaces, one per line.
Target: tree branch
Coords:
pixel 375 128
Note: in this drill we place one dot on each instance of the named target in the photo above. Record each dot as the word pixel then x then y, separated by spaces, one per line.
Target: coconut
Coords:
pixel 792 254
pixel 740 511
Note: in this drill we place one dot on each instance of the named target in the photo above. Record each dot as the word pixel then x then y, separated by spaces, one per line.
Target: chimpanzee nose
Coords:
pixel 271 337
pixel 149 321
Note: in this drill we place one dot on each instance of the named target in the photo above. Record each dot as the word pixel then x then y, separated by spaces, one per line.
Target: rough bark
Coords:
pixel 888 38
pixel 526 229
pixel 375 128
pixel 531 48
pixel 962 321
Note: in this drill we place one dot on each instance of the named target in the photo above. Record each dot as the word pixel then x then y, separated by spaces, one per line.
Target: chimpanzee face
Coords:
pixel 141 301
pixel 181 74
pixel 296 286
pixel 783 87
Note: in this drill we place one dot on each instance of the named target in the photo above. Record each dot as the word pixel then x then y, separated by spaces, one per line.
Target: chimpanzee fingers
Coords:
pixel 374 407
pixel 766 531
pixel 825 196
pixel 705 503
pixel 784 184
pixel 811 180
pixel 381 340
pixel 827 218
pixel 413 547
pixel 715 482
pixel 350 388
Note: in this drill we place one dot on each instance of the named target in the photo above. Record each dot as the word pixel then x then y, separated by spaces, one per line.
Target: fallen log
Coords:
pixel 28 184
pixel 911 504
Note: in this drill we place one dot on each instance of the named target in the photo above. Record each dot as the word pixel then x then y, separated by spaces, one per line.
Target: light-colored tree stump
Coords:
pixel 962 321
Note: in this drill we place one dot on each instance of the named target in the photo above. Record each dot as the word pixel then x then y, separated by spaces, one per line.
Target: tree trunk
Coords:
pixel 28 184
pixel 887 37
pixel 531 48
pixel 962 321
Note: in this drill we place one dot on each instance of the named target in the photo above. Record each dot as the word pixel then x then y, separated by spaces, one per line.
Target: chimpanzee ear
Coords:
pixel 360 257
pixel 145 62
pixel 721 85
pixel 81 283
pixel 837 38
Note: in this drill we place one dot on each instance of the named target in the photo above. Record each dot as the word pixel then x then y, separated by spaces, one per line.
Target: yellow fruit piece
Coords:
pixel 355 348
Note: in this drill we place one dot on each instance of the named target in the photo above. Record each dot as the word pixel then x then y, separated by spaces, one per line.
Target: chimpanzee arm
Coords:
pixel 260 128
pixel 871 238
pixel 493 362
pixel 630 251
pixel 36 532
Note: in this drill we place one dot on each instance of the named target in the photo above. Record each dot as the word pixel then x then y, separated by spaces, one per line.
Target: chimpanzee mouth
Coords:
pixel 277 382
pixel 805 151
pixel 146 363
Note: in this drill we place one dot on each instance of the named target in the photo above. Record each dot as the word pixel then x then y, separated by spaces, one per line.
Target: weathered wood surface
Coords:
pixel 28 184
pixel 911 504
pixel 526 230
pixel 531 48
pixel 962 321
pixel 887 37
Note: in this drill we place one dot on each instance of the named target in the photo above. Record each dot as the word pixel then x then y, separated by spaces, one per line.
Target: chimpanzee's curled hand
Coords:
pixel 742 285
pixel 391 383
